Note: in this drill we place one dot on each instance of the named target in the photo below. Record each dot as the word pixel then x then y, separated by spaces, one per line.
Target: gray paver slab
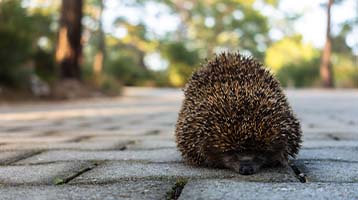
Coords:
pixel 115 171
pixel 329 133
pixel 100 145
pixel 47 139
pixel 234 189
pixel 39 174
pixel 135 190
pixel 152 144
pixel 160 155
pixel 329 143
pixel 329 171
pixel 343 154
pixel 7 157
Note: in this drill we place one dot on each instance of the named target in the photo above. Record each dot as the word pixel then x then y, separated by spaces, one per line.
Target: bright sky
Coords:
pixel 313 23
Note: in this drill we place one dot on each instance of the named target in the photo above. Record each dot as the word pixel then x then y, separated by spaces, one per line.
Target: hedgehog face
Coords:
pixel 245 163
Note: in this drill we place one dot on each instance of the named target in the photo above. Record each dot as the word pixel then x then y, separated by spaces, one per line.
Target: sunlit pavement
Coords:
pixel 123 148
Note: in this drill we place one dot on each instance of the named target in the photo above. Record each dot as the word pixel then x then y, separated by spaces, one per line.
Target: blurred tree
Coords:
pixel 69 48
pixel 326 71
pixel 44 15
pixel 302 74
pixel 136 39
pixel 208 27
pixel 125 58
pixel 339 44
pixel 289 50
pixel 343 59
pixel 15 43
pixel 294 62
pixel 25 43
pixel 94 9
pixel 215 25
pixel 182 62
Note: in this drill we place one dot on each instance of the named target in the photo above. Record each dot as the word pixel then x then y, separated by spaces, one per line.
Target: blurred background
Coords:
pixel 67 49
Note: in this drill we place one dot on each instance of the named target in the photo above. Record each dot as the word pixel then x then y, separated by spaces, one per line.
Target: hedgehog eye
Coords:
pixel 260 158
pixel 228 157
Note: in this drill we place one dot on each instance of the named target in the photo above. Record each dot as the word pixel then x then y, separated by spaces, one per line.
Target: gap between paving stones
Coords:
pixel 116 171
pixel 74 169
pixel 70 178
pixel 297 170
pixel 329 160
pixel 166 178
pixel 123 190
pixel 160 156
pixel 70 146
pixel 327 171
pixel 227 189
pixel 80 138
pixel 302 177
pixel 177 189
pixel 94 161
pixel 292 169
pixel 20 157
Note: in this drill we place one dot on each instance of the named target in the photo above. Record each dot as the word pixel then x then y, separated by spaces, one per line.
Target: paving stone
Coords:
pixel 330 134
pixel 329 171
pixel 143 189
pixel 7 157
pixel 160 155
pixel 47 139
pixel 100 145
pixel 115 171
pixel 19 134
pixel 133 137
pixel 342 154
pixel 40 174
pixel 152 144
pixel 90 133
pixel 148 116
pixel 137 133
pixel 330 143
pixel 59 114
pixel 234 189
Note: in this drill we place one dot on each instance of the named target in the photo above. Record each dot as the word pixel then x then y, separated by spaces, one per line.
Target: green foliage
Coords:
pixel 18 46
pixel 15 41
pixel 182 62
pixel 296 64
pixel 45 65
pixel 304 74
pixel 109 85
pixel 289 50
pixel 345 64
pixel 160 79
pixel 232 25
pixel 345 71
pixel 177 52
pixel 126 69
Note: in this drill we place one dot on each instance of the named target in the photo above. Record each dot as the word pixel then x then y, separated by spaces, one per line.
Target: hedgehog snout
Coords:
pixel 243 163
pixel 246 169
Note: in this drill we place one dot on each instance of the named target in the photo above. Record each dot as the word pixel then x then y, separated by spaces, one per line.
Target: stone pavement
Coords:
pixel 123 148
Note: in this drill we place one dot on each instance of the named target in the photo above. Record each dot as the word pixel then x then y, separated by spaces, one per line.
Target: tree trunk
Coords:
pixel 100 55
pixel 69 47
pixel 326 66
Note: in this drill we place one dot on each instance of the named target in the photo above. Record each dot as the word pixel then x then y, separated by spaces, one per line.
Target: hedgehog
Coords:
pixel 235 115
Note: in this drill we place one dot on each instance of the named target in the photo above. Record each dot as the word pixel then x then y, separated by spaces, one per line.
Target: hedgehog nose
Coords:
pixel 246 170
